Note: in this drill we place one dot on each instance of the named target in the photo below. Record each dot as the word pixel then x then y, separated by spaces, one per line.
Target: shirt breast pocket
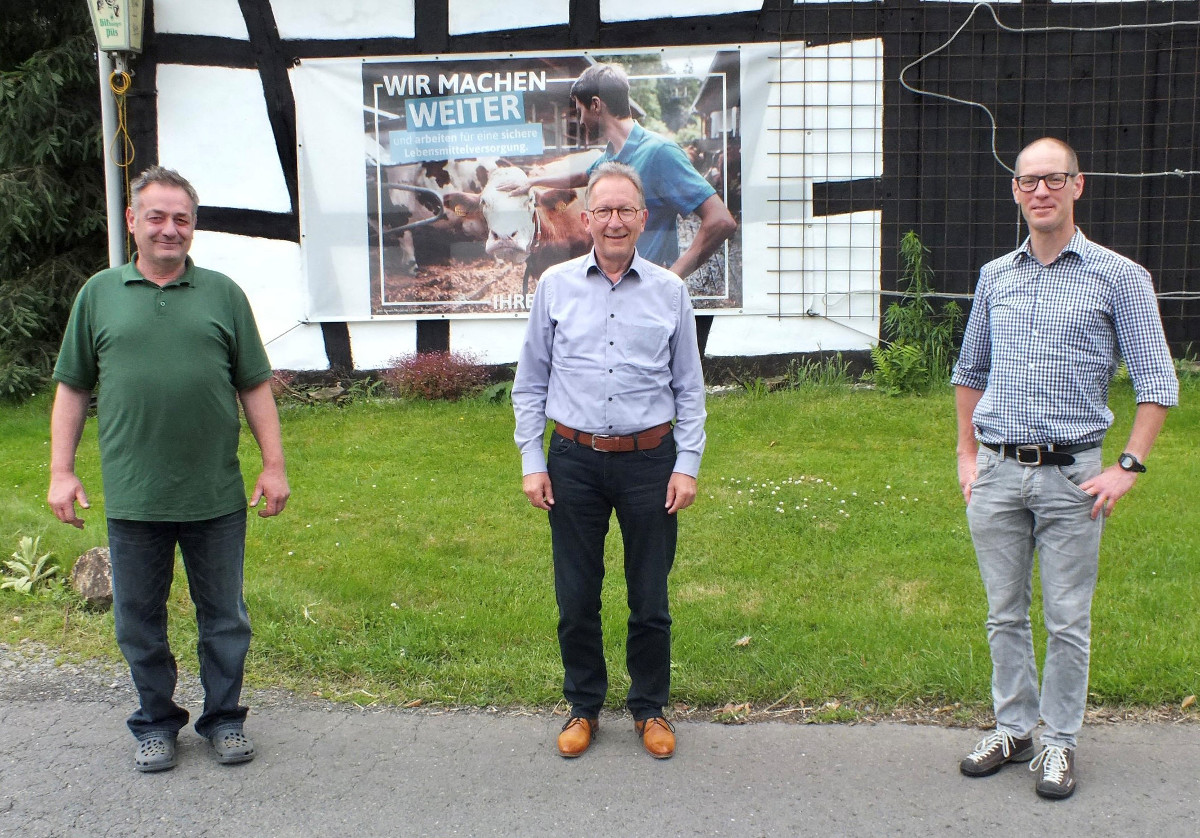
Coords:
pixel 647 345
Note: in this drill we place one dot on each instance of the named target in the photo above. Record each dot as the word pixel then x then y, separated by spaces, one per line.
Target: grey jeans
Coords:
pixel 1014 511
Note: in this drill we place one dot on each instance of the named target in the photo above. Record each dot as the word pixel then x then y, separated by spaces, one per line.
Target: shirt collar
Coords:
pixel 632 272
pixel 631 142
pixel 1078 244
pixel 130 273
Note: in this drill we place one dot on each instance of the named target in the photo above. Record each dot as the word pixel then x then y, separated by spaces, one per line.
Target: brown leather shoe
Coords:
pixel 658 737
pixel 576 735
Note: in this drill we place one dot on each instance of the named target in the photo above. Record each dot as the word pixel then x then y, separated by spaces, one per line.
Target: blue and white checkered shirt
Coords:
pixel 1043 342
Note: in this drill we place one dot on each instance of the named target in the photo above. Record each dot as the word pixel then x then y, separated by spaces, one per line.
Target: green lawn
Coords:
pixel 829 531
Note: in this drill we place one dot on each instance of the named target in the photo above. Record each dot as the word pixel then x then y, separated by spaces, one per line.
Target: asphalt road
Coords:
pixel 331 770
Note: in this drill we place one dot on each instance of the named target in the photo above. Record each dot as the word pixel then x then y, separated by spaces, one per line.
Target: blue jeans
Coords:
pixel 588 487
pixel 143 564
pixel 1016 510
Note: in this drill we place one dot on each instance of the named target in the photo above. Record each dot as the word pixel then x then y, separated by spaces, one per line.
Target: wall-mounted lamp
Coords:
pixel 118 27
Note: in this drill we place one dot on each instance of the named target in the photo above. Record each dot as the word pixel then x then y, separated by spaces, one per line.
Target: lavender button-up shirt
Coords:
pixel 607 358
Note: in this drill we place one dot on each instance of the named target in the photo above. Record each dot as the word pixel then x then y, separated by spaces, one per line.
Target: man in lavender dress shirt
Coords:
pixel 610 356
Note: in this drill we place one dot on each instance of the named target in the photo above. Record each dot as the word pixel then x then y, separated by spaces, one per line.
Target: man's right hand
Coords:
pixel 537 488
pixel 967 474
pixel 65 490
pixel 515 189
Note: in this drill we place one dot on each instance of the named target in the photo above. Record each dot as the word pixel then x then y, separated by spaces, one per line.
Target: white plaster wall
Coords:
pixel 213 129
pixel 617 10
pixel 219 18
pixel 467 16
pixel 269 272
pixel 334 20
pixel 491 341
pixel 374 343
pixel 761 335
pixel 843 110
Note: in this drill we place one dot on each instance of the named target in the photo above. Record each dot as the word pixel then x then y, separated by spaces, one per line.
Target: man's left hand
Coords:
pixel 1107 487
pixel 681 491
pixel 273 485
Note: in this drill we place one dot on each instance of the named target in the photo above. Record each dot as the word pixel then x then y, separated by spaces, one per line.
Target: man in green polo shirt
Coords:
pixel 172 348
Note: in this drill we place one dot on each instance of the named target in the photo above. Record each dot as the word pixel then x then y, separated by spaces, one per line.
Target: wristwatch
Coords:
pixel 1130 463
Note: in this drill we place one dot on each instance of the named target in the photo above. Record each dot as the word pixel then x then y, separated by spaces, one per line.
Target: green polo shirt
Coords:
pixel 169 362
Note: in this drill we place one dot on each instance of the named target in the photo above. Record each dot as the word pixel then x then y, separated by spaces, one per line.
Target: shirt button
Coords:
pixel 612 315
pixel 162 303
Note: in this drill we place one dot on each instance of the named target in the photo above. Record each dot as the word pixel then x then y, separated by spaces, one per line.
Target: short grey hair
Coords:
pixel 611 168
pixel 163 177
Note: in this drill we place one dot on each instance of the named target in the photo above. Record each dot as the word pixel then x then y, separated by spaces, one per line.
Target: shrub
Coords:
pixel 436 376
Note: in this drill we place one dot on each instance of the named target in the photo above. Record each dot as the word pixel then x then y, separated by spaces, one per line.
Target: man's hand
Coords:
pixel 1107 487
pixel 515 189
pixel 65 490
pixel 272 484
pixel 537 488
pixel 967 474
pixel 681 491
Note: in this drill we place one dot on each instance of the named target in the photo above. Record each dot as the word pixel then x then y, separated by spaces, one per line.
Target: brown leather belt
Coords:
pixel 612 444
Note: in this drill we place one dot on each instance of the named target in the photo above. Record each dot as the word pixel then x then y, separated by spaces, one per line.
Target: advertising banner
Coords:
pixel 451 146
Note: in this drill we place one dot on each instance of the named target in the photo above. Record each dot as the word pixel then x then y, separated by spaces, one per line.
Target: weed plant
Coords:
pixel 832 371
pixel 921 348
pixel 826 562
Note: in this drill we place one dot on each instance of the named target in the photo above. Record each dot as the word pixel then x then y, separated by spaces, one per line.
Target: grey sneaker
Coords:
pixel 1057 765
pixel 155 752
pixel 993 752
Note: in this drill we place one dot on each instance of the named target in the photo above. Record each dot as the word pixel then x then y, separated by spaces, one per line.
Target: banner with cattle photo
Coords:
pixel 449 222
pixel 452 143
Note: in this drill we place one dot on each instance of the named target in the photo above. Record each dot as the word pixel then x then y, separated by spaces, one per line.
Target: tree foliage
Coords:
pixel 52 210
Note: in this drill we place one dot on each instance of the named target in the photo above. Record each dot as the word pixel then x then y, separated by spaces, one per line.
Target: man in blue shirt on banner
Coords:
pixel 610 355
pixel 672 185
pixel 1031 387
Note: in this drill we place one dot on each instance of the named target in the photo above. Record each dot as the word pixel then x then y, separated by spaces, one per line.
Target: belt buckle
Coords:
pixel 602 437
pixel 1035 450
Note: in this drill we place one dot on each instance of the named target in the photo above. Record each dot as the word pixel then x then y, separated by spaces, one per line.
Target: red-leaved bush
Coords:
pixel 436 375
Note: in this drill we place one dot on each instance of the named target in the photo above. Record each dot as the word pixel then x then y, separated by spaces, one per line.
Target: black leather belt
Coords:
pixel 1041 454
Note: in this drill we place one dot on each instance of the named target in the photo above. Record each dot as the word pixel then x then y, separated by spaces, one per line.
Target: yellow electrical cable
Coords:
pixel 123 154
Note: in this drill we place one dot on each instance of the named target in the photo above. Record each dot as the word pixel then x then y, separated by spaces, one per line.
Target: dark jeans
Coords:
pixel 143 563
pixel 588 486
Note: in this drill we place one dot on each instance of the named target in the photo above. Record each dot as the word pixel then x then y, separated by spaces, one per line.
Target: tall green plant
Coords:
pixel 921 339
pixel 52 216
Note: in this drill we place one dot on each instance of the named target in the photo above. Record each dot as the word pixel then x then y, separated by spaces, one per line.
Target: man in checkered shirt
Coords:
pixel 1047 326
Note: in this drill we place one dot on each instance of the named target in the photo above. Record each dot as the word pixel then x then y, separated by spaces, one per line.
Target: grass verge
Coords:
pixel 826 563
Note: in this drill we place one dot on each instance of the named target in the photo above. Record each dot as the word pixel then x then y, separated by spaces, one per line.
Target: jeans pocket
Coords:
pixel 986 462
pixel 1071 477
pixel 665 450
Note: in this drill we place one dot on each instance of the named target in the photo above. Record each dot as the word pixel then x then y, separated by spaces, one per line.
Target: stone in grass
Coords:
pixel 92 578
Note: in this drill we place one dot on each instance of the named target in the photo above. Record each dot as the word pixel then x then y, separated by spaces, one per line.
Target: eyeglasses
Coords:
pixel 626 214
pixel 1054 180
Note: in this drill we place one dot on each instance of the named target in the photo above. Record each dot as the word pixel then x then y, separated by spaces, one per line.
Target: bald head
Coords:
pixel 1047 144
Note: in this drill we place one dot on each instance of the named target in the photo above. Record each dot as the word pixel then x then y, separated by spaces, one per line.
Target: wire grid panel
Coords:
pixel 827 114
